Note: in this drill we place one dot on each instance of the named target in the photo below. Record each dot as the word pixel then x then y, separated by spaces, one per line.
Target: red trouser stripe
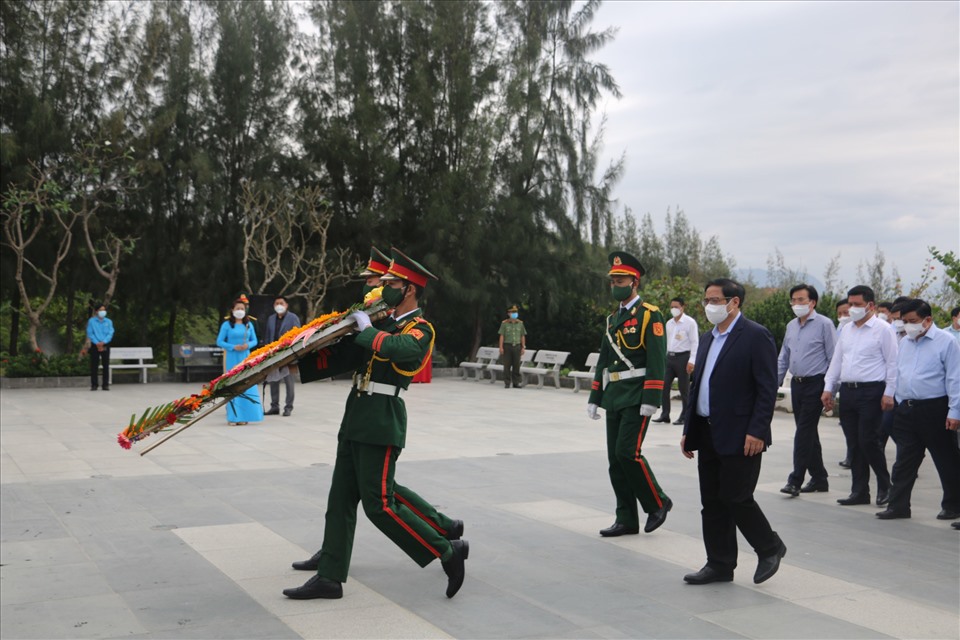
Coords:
pixel 419 515
pixel 390 512
pixel 653 488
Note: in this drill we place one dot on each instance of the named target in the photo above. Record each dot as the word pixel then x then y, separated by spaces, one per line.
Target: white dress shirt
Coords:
pixel 866 353
pixel 682 335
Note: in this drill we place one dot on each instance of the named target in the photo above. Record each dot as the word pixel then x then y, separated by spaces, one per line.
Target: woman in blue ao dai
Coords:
pixel 237 337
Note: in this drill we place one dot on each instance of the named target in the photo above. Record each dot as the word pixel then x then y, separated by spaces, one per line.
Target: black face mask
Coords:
pixel 393 296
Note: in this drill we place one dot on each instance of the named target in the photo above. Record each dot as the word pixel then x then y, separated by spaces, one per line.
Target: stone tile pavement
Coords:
pixel 195 539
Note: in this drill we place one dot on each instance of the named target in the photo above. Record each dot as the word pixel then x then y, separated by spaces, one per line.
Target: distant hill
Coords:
pixel 759 277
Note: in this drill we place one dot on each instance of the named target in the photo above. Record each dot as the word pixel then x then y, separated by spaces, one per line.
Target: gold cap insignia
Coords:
pixel 617 261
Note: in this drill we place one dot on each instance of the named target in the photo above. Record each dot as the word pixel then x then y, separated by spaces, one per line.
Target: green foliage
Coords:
pixel 39 364
pixel 951 266
pixel 662 290
pixel 773 312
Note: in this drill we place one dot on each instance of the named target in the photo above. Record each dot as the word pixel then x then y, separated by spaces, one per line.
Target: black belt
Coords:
pixel 854 385
pixel 678 353
pixel 804 379
pixel 917 403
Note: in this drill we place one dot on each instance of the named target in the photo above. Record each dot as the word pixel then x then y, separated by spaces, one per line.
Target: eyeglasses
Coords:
pixel 707 301
pixel 796 301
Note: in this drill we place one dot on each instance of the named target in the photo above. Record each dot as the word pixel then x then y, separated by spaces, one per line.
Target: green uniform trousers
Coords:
pixel 630 475
pixel 511 364
pixel 364 474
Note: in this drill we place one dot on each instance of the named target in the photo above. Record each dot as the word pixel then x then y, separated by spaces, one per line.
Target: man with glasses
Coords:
pixel 732 400
pixel 806 352
pixel 864 367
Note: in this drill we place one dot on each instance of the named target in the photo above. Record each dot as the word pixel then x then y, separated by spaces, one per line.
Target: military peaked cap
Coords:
pixel 624 264
pixel 378 264
pixel 404 267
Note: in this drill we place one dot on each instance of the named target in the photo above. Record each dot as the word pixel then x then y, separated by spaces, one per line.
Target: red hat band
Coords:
pixel 407 274
pixel 377 267
pixel 624 270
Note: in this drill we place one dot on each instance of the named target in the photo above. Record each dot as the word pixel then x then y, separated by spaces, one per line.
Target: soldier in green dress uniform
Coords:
pixel 376 267
pixel 513 342
pixel 372 434
pixel 628 386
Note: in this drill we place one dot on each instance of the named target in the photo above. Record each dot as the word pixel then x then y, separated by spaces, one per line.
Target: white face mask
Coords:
pixel 101 314
pixel 914 330
pixel 800 310
pixel 883 316
pixel 280 309
pixel 716 313
pixel 239 314
pixel 858 313
pixel 898 325
pixel 676 312
pixel 844 320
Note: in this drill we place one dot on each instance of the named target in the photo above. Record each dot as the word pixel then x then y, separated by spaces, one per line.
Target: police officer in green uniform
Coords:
pixel 628 386
pixel 372 434
pixel 513 342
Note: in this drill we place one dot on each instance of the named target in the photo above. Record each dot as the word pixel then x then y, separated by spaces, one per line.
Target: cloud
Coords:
pixel 812 127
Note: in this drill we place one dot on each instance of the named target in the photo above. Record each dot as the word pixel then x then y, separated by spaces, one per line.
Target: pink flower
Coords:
pixel 124 441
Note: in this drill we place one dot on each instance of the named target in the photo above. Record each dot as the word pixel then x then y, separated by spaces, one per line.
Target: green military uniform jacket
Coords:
pixel 641 338
pixel 389 353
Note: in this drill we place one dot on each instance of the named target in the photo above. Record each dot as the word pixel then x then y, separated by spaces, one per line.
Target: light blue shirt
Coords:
pixel 807 348
pixel 953 333
pixel 703 393
pixel 928 368
pixel 100 330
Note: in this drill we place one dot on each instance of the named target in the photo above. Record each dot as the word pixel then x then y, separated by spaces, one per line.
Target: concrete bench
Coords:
pixel 784 400
pixel 546 363
pixel 131 353
pixel 588 375
pixel 485 357
pixel 494 368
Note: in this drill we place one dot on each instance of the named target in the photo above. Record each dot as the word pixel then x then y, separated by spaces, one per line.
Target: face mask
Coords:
pixel 392 296
pixel 280 309
pixel 898 325
pixel 367 288
pixel 101 314
pixel 858 313
pixel 844 320
pixel 514 316
pixel 239 313
pixel 883 316
pixel 675 312
pixel 800 310
pixel 914 330
pixel 716 313
pixel 621 294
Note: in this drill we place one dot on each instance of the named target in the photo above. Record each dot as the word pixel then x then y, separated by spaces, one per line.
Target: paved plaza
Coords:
pixel 195 539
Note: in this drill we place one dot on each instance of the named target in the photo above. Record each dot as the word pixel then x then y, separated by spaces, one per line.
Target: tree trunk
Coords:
pixel 68 323
pixel 171 327
pixel 15 324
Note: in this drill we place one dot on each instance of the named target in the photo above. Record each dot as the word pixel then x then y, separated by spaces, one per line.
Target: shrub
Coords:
pixel 39 364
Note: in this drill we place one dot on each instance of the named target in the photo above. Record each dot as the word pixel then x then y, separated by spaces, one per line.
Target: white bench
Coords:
pixel 588 375
pixel 485 357
pixel 784 400
pixel 526 358
pixel 546 363
pixel 132 353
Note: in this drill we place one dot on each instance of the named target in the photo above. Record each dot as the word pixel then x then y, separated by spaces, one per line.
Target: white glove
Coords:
pixel 592 412
pixel 647 409
pixel 362 319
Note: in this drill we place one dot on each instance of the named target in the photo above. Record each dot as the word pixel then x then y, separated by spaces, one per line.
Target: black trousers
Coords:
pixel 727 484
pixel 860 415
pixel 288 383
pixel 676 368
pixel 98 358
pixel 511 364
pixel 917 427
pixel 807 453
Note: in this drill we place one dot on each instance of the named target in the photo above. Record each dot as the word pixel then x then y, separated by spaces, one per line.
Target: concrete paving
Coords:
pixel 195 539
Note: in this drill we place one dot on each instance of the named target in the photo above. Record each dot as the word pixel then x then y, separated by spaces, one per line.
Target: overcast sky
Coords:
pixel 814 127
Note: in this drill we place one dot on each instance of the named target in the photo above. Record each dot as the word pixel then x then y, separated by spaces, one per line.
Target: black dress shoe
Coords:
pixel 852 499
pixel 790 489
pixel 948 514
pixel 455 532
pixel 845 463
pixel 308 565
pixel 883 497
pixel 707 575
pixel 455 567
pixel 93 388
pixel 658 517
pixel 678 421
pixel 272 412
pixel 662 418
pixel 813 486
pixel 617 529
pixel 892 514
pixel 287 412
pixel 955 525
pixel 769 565
pixel 316 587
pixel 106 388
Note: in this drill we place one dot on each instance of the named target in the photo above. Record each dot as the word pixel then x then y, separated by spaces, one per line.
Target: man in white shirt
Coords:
pixel 682 340
pixel 864 368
